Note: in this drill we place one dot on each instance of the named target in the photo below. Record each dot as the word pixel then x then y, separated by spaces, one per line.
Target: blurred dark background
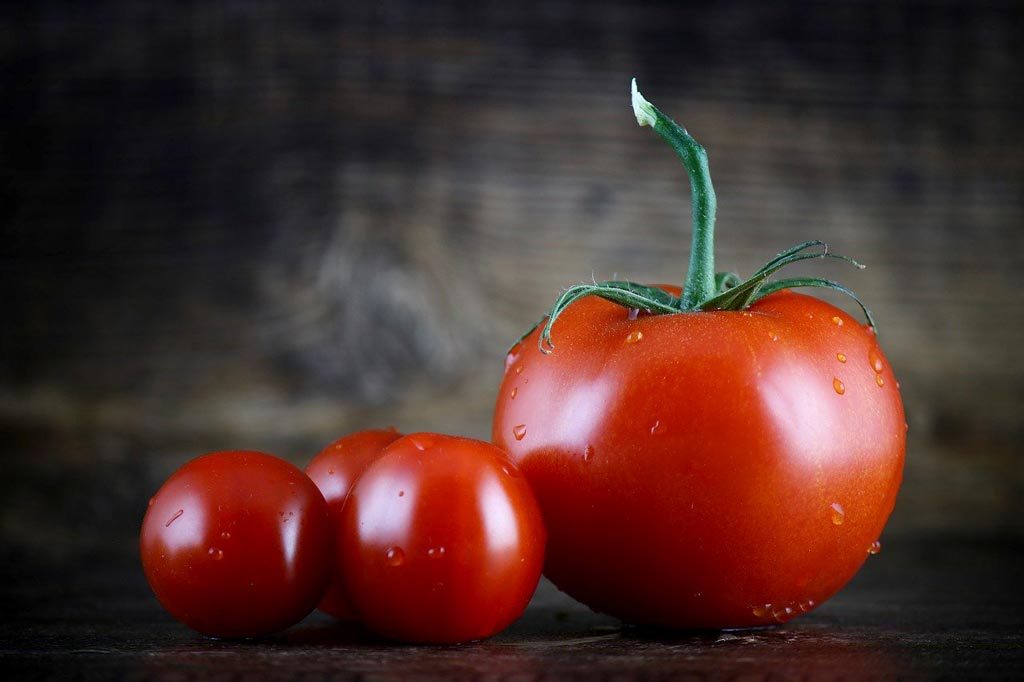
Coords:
pixel 240 224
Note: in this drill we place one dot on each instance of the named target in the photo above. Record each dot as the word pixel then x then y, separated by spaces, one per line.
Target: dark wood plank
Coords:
pixel 927 607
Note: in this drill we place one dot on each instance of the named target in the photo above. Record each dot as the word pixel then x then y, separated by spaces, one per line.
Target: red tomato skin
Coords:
pixel 334 471
pixel 441 541
pixel 706 470
pixel 237 544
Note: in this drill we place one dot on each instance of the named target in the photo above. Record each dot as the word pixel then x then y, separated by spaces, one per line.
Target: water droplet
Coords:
pixel 635 336
pixel 418 444
pixel 906 427
pixel 838 514
pixel 782 613
pixel 806 605
pixel 837 320
pixel 330 472
pixel 216 554
pixel 519 431
pixel 519 369
pixel 875 360
pixel 875 547
pixel 841 357
pixel 588 453
pixel 514 392
pixel 338 446
pixel 897 385
pixel 151 501
pixel 511 358
pixel 773 336
pixel 401 493
pixel 174 518
pixel 394 556
pixel 838 386
pixel 657 428
pixel 879 380
pixel 435 552
pixel 747 314
pixel 633 313
pixel 226 535
pixel 761 611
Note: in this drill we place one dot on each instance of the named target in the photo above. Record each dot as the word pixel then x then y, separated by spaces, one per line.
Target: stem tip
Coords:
pixel 642 109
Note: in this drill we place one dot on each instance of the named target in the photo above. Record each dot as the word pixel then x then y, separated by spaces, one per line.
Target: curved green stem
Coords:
pixel 700 277
pixel 704 288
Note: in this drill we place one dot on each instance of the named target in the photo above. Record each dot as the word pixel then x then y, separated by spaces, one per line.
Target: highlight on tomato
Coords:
pixel 334 471
pixel 440 541
pixel 725 454
pixel 237 544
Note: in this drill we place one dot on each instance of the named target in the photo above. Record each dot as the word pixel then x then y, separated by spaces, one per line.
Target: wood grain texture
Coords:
pixel 928 607
pixel 264 225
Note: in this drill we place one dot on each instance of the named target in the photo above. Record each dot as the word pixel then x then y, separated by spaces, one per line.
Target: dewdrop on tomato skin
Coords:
pixel 394 556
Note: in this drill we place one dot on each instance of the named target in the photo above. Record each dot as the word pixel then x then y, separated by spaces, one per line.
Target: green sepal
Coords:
pixel 745 293
pixel 797 282
pixel 627 294
pixel 725 281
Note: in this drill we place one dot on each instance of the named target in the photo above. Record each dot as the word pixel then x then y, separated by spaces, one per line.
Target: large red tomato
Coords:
pixel 727 459
pixel 237 544
pixel 706 469
pixel 335 470
pixel 441 541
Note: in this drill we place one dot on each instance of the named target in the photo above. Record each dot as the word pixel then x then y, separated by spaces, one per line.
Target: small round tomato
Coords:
pixel 237 544
pixel 334 471
pixel 441 541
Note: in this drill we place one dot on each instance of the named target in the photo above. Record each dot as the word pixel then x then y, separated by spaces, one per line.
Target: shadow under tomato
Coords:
pixel 326 633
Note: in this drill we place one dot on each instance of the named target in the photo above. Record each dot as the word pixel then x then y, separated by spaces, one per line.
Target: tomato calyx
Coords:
pixel 704 289
pixel 747 292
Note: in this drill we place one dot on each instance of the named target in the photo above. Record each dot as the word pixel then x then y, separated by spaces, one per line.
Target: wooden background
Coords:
pixel 263 225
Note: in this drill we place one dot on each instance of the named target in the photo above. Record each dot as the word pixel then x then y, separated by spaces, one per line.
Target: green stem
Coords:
pixel 704 289
pixel 700 277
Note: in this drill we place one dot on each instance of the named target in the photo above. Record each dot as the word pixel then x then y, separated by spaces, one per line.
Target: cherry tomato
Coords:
pixel 707 469
pixel 334 471
pixel 237 544
pixel 440 541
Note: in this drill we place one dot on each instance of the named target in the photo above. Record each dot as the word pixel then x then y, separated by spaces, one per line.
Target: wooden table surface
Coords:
pixel 926 607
